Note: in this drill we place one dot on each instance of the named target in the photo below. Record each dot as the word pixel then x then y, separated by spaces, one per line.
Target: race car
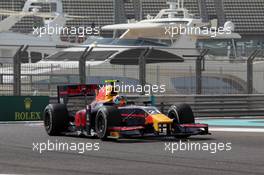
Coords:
pixel 110 115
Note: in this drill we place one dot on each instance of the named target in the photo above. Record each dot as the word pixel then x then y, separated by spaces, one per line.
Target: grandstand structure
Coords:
pixel 246 15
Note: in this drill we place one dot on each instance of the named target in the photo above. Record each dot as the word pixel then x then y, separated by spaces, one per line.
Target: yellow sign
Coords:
pixel 22 108
pixel 27 115
pixel 28 103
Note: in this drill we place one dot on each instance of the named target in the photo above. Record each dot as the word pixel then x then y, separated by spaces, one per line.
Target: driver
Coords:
pixel 120 100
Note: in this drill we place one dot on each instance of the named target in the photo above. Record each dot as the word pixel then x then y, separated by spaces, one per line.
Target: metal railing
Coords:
pixel 198 74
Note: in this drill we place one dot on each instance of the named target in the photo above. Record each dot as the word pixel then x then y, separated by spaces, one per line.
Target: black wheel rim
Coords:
pixel 101 124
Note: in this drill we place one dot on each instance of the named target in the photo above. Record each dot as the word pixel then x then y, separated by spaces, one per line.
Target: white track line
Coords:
pixel 35 124
pixel 236 129
pixel 20 122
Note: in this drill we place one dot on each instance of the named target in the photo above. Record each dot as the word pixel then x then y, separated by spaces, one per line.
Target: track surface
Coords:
pixel 137 156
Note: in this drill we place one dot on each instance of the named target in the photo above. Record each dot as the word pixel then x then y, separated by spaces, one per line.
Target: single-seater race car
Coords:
pixel 110 115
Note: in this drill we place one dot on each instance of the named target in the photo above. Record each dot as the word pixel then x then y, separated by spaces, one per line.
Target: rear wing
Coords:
pixel 66 91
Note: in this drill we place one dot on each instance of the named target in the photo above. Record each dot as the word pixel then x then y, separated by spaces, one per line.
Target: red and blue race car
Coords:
pixel 110 115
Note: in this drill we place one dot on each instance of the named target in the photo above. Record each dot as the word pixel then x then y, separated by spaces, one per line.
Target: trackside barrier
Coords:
pixel 22 108
pixel 202 105
pixel 218 105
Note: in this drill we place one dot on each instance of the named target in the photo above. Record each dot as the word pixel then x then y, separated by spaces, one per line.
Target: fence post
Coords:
pixel 250 61
pixel 17 70
pixel 199 67
pixel 1 75
pixel 142 67
pixel 198 70
pixel 158 75
pixel 142 70
pixel 82 64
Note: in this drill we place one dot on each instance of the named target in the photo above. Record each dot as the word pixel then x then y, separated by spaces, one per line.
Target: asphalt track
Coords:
pixel 136 156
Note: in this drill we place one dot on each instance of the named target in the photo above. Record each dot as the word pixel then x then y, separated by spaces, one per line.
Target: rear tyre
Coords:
pixel 107 116
pixel 56 119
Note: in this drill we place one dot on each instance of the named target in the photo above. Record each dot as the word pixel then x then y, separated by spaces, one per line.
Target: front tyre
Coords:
pixel 107 116
pixel 56 119
pixel 181 114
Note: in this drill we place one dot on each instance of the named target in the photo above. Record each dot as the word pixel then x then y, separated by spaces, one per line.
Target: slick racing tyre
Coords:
pixel 107 116
pixel 181 114
pixel 56 119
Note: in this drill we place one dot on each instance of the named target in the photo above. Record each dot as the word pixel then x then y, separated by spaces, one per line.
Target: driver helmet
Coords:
pixel 120 100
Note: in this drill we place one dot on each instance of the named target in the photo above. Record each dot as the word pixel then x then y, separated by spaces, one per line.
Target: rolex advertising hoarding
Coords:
pixel 22 108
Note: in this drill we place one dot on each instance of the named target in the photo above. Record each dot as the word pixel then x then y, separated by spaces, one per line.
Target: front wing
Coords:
pixel 179 130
